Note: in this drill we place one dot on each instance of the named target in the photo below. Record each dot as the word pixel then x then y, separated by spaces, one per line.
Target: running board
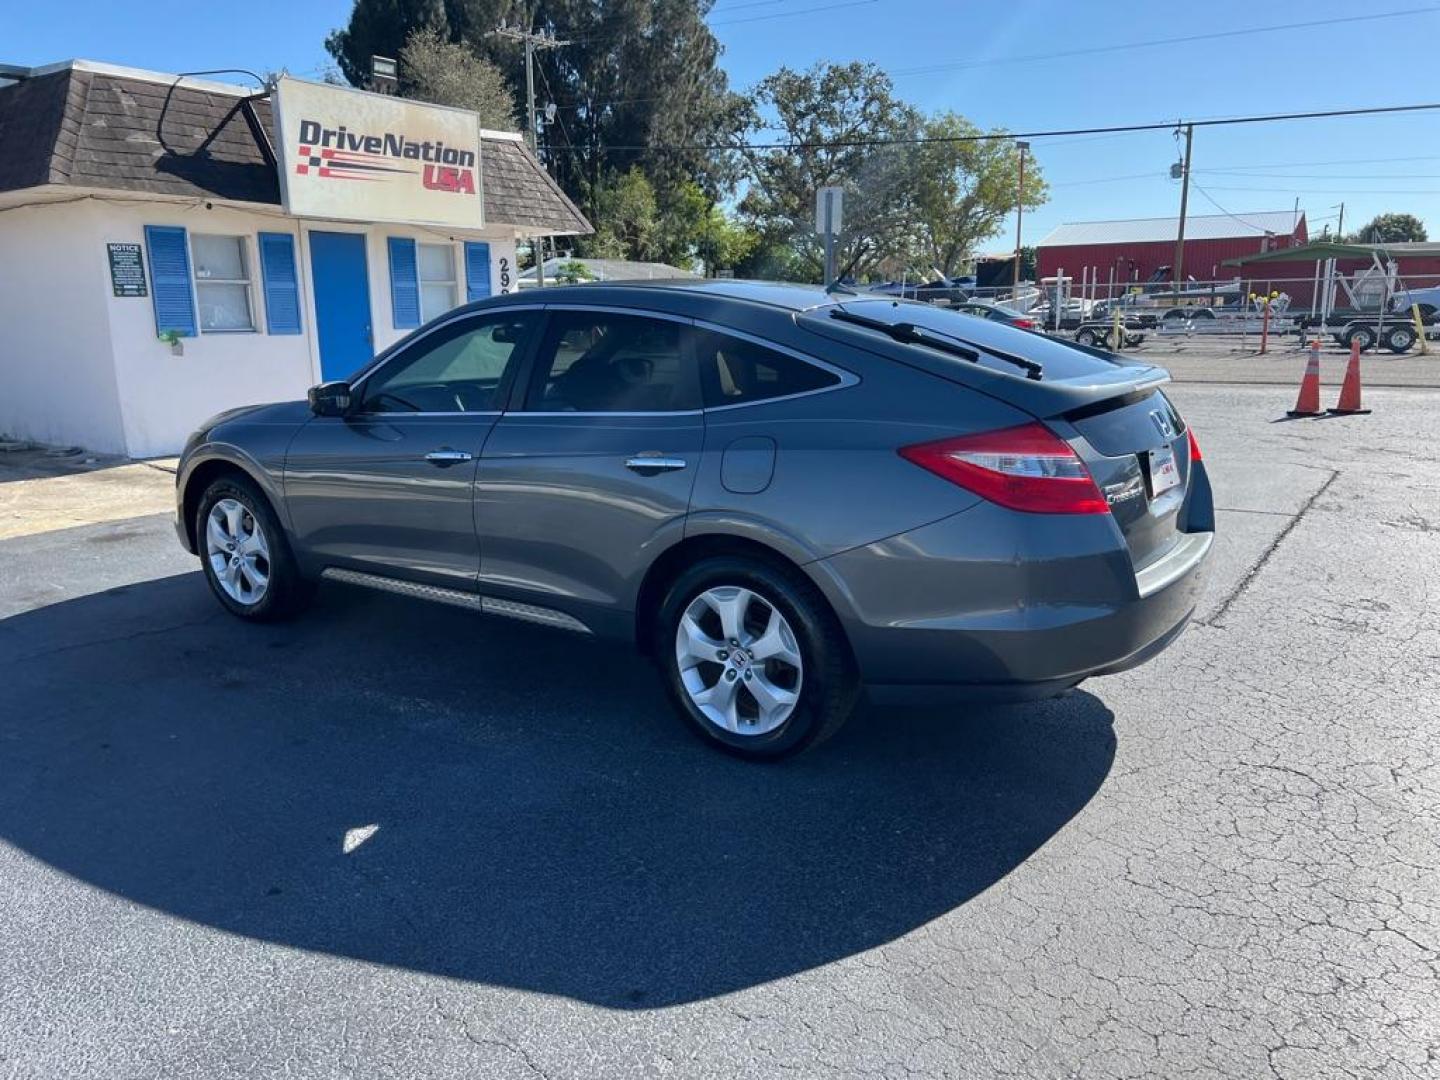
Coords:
pixel 489 605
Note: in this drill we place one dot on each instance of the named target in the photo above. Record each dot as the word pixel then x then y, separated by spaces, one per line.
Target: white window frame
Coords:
pixel 246 262
pixel 453 281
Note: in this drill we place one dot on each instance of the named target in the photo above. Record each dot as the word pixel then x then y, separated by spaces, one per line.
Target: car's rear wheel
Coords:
pixel 753 658
pixel 243 551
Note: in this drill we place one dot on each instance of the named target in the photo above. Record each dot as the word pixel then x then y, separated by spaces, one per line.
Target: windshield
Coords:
pixel 1057 359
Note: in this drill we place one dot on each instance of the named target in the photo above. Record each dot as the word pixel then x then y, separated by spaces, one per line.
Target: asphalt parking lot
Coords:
pixel 392 840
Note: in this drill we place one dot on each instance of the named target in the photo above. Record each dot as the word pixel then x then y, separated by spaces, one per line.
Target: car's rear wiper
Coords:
pixel 910 334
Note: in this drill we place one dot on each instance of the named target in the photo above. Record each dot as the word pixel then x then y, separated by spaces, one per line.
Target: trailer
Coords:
pixel 1393 331
pixel 1099 333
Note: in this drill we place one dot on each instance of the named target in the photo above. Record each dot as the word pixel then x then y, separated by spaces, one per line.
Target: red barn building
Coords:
pixel 1135 249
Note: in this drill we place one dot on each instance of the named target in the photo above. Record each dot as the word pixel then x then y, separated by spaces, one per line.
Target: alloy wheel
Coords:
pixel 238 552
pixel 739 660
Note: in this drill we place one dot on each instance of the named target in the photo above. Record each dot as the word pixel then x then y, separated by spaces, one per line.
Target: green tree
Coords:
pixel 626 220
pixel 836 121
pixel 445 72
pixel 964 189
pixel 381 27
pixel 725 243
pixel 636 75
pixel 573 272
pixel 1390 229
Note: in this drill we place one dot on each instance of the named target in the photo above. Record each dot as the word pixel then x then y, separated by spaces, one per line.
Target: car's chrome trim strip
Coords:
pixel 1174 564
pixel 515 413
pixel 438 593
pixel 847 378
pixel 510 609
pixel 388 417
pixel 513 609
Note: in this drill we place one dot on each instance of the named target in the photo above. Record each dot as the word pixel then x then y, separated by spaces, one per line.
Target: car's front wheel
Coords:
pixel 246 559
pixel 753 658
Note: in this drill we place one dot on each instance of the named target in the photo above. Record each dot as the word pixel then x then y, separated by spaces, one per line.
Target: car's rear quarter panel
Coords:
pixel 838 481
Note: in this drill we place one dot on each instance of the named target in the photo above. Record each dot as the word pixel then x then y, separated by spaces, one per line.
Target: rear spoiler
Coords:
pixel 1043 399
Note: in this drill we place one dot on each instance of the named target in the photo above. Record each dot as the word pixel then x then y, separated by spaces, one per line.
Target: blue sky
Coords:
pixel 971 57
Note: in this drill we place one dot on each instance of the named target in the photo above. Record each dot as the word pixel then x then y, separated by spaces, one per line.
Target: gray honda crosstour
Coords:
pixel 787 497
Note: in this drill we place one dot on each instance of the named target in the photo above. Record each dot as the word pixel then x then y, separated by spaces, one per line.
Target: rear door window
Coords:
pixel 734 371
pixel 597 361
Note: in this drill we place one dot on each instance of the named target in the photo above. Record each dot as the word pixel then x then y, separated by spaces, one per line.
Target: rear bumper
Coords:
pixel 989 604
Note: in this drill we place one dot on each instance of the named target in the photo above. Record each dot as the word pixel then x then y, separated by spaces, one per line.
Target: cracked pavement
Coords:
pixel 394 841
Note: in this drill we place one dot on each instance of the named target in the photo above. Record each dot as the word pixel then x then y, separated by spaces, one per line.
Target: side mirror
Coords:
pixel 330 399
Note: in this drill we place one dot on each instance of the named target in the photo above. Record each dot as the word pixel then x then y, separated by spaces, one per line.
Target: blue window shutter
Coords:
pixel 169 251
pixel 282 285
pixel 404 284
pixel 477 271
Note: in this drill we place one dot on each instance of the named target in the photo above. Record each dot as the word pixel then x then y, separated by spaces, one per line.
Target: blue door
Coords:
pixel 342 302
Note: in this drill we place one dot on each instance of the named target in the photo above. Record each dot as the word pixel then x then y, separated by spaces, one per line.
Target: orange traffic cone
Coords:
pixel 1349 404
pixel 1308 403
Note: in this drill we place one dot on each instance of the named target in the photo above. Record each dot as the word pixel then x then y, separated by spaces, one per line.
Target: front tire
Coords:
pixel 1364 335
pixel 244 553
pixel 754 659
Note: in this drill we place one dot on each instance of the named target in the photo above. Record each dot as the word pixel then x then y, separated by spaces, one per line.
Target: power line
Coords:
pixel 1333 191
pixel 1321 176
pixel 929 69
pixel 789 14
pixel 991 136
pixel 593 32
pixel 1186 39
pixel 748 4
pixel 1227 213
pixel 1308 164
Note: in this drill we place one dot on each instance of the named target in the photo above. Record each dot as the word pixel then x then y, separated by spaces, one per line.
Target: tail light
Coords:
pixel 1194 447
pixel 1023 324
pixel 1026 468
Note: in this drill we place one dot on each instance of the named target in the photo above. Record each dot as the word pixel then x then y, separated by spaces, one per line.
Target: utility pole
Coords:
pixel 532 41
pixel 1340 226
pixel 1177 275
pixel 1019 211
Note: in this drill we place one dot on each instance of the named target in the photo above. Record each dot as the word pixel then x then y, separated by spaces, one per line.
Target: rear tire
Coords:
pixel 244 553
pixel 753 658
pixel 1399 339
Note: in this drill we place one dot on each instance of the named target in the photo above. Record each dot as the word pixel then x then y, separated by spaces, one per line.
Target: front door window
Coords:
pixel 457 368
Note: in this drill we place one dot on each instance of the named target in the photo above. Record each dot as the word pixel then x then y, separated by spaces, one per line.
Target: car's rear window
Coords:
pixel 1059 359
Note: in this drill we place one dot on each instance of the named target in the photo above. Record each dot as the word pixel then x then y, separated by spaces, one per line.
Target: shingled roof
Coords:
pixel 84 126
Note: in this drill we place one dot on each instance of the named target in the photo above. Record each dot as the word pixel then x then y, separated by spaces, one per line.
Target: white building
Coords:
pixel 158 263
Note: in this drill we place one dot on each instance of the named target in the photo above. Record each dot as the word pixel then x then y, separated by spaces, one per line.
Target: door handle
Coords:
pixel 445 456
pixel 650 465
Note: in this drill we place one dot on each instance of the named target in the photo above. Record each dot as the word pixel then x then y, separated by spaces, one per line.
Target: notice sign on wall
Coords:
pixel 357 156
pixel 127 269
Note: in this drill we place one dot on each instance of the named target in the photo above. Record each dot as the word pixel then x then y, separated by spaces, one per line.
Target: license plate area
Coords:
pixel 1164 474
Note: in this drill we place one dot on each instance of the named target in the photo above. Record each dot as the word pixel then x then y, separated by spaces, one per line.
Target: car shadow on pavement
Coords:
pixel 420 787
